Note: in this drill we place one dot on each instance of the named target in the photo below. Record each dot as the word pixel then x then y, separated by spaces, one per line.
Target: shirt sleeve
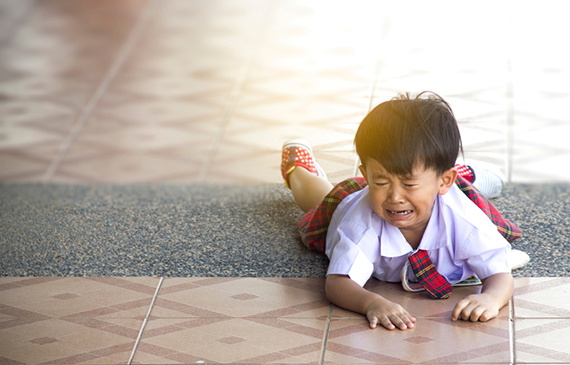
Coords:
pixel 478 246
pixel 347 257
pixel 486 253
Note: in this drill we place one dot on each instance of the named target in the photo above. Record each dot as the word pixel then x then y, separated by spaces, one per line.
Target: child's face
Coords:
pixel 405 202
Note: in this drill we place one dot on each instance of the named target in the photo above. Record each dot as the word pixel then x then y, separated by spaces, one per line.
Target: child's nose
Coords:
pixel 395 195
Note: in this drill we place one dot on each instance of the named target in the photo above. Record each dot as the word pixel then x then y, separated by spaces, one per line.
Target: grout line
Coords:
pixel 326 336
pixel 145 321
pixel 509 140
pixel 512 330
pixel 510 112
pixel 17 17
pixel 373 84
pixel 103 86
pixel 243 75
pixel 384 31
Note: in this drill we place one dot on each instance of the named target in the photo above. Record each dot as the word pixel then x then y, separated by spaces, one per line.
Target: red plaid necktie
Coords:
pixel 427 275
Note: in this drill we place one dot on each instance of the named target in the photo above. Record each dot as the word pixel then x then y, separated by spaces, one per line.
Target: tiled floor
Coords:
pixel 264 320
pixel 206 91
pixel 121 91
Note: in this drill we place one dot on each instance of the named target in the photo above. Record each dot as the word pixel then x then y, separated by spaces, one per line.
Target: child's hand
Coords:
pixel 495 294
pixel 476 307
pixel 346 293
pixel 390 315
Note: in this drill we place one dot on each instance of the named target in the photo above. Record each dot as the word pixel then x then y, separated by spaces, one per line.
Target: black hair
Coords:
pixel 406 132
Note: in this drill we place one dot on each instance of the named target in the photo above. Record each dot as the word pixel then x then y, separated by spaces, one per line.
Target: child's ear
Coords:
pixel 363 172
pixel 447 179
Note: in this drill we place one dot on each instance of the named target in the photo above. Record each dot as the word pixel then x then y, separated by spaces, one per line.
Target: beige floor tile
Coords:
pixel 19 135
pixel 227 340
pixel 68 341
pixel 542 297
pixel 542 340
pixel 125 168
pixel 251 165
pixel 338 165
pixel 241 297
pixel 271 137
pixel 142 138
pixel 71 297
pixel 432 340
pixel 242 164
pixel 26 165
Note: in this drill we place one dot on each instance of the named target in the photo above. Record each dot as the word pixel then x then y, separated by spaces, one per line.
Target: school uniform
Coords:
pixel 462 238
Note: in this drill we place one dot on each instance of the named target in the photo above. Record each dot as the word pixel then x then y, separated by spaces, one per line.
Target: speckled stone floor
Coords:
pixel 218 230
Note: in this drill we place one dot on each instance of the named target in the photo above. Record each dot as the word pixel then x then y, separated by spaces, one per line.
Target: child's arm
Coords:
pixel 344 292
pixel 496 292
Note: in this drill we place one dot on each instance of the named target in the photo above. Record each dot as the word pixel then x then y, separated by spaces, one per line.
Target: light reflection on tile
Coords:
pixel 542 340
pixel 542 297
pixel 233 83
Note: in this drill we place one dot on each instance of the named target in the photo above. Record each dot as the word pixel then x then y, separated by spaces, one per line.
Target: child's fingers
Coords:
pixel 405 321
pixel 402 322
pixel 483 314
pixel 470 311
pixel 387 323
pixel 477 314
pixel 391 319
pixel 384 322
pixel 458 310
pixel 373 322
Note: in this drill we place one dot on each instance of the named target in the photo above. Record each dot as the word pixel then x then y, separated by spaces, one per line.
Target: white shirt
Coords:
pixel 460 239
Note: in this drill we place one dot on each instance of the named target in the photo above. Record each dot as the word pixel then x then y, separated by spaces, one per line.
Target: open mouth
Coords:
pixel 400 212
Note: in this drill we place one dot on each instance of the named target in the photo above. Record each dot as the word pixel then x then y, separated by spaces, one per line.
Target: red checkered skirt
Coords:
pixel 314 224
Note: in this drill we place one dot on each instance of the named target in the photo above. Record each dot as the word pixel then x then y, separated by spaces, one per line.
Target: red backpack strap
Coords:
pixel 506 228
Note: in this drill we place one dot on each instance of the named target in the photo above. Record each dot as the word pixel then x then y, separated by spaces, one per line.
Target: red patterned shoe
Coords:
pixel 298 152
pixel 488 180
pixel 465 172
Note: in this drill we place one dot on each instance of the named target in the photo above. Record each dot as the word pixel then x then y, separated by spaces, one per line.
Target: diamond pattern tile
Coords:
pixel 432 340
pixel 68 341
pixel 216 340
pixel 542 340
pixel 72 320
pixel 542 297
pixel 263 321
pixel 244 297
pixel 76 297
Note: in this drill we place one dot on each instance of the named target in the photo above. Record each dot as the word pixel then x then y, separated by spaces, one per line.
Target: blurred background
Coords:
pixel 200 91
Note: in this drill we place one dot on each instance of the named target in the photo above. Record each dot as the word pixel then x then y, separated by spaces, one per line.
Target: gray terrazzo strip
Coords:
pixel 214 230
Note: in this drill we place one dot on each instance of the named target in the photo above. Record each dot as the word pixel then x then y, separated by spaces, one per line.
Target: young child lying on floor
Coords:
pixel 411 218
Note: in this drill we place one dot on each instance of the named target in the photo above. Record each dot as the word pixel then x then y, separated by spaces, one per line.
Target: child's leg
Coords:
pixel 308 189
pixel 486 179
